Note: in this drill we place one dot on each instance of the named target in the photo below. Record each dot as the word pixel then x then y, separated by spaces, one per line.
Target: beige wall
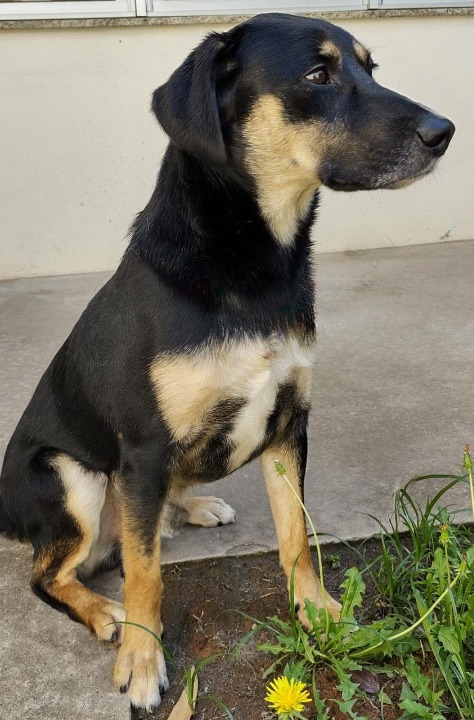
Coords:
pixel 79 149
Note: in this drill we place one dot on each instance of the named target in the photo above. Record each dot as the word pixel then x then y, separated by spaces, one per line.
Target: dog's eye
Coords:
pixel 318 76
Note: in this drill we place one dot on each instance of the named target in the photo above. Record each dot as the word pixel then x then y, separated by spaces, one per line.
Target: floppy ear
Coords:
pixel 187 105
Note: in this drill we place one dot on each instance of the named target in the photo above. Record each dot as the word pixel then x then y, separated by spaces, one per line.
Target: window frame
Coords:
pixel 419 4
pixel 98 9
pixel 63 9
pixel 183 8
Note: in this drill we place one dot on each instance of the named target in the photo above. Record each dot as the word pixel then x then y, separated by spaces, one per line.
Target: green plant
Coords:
pixel 425 579
pixel 450 633
pixel 334 561
pixel 437 552
pixel 409 544
pixel 333 644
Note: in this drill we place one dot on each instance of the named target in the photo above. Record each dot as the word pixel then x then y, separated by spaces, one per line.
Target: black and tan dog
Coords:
pixel 196 356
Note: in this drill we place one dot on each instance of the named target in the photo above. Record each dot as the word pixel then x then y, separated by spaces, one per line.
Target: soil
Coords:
pixel 204 612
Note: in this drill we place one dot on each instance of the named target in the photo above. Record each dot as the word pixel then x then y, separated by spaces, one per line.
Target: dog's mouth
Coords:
pixel 404 182
pixel 391 180
pixel 339 183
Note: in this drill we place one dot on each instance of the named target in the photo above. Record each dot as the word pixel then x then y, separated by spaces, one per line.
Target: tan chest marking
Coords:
pixel 188 387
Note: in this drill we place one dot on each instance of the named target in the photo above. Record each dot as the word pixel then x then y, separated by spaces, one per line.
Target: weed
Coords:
pixel 425 580
pixel 409 545
pixel 334 561
pixel 287 696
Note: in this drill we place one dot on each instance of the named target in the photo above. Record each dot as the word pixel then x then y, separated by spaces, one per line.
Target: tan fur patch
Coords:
pixel 56 568
pixel 361 52
pixel 143 585
pixel 289 361
pixel 283 157
pixel 140 664
pixel 188 387
pixel 330 51
pixel 101 615
pixel 85 498
pixel 287 512
pixel 109 532
pixel 290 525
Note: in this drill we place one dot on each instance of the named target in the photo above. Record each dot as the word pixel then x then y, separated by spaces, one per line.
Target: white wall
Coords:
pixel 79 149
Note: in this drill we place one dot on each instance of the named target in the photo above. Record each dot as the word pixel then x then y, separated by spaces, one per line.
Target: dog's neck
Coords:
pixel 278 158
pixel 205 225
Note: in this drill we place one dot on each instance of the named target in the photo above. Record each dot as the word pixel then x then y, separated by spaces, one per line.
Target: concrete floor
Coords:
pixel 393 397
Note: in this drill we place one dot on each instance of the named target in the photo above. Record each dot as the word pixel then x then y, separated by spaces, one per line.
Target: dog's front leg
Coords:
pixel 289 517
pixel 140 668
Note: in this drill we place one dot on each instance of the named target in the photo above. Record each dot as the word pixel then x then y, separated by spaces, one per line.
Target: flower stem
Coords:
pixel 468 465
pixel 281 471
pixel 448 572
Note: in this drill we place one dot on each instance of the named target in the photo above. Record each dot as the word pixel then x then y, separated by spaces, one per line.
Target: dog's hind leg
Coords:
pixel 65 543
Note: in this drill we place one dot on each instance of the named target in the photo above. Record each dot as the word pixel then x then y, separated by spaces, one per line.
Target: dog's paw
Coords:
pixel 310 589
pixel 207 511
pixel 107 622
pixel 333 606
pixel 142 673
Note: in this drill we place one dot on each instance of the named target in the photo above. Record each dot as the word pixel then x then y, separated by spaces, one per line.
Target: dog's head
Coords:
pixel 292 103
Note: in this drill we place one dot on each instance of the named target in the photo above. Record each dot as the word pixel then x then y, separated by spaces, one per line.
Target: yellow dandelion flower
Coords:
pixel 286 696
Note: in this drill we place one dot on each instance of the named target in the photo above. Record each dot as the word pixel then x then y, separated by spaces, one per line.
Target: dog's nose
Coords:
pixel 436 132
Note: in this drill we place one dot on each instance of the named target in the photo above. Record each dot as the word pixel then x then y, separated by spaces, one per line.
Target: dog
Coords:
pixel 196 356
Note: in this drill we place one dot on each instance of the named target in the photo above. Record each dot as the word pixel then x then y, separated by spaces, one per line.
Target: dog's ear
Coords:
pixel 187 105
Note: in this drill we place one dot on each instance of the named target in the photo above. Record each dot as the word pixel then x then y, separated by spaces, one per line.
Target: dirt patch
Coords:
pixel 205 611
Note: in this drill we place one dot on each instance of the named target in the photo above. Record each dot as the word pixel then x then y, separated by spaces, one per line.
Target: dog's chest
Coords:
pixel 217 400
